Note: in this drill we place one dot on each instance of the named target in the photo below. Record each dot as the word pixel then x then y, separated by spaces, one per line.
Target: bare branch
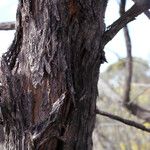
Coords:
pixel 127 17
pixel 125 121
pixel 130 106
pixel 129 62
pixel 7 26
pixel 147 13
pixel 136 110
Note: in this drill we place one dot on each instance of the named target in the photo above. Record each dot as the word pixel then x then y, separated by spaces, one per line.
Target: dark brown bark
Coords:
pixel 147 12
pixel 50 75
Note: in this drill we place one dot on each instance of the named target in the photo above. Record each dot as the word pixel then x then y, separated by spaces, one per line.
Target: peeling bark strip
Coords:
pixel 50 75
pixel 7 26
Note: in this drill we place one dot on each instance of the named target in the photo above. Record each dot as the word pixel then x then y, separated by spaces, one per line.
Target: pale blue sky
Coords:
pixel 8 10
pixel 139 31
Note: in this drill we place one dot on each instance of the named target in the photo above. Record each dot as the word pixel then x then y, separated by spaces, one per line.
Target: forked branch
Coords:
pixel 127 17
pixel 131 107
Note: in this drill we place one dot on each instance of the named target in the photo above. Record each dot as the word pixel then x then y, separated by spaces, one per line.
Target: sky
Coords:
pixel 139 32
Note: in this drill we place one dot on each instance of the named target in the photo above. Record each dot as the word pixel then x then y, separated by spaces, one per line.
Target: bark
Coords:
pixel 50 74
pixel 147 12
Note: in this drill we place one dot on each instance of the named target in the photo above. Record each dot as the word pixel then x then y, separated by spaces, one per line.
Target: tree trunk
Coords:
pixel 50 74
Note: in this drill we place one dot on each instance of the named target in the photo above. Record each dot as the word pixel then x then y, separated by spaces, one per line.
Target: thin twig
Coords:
pixel 7 26
pixel 129 62
pixel 130 106
pixel 125 121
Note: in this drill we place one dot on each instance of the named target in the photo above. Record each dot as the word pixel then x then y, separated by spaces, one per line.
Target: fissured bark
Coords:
pixel 50 75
